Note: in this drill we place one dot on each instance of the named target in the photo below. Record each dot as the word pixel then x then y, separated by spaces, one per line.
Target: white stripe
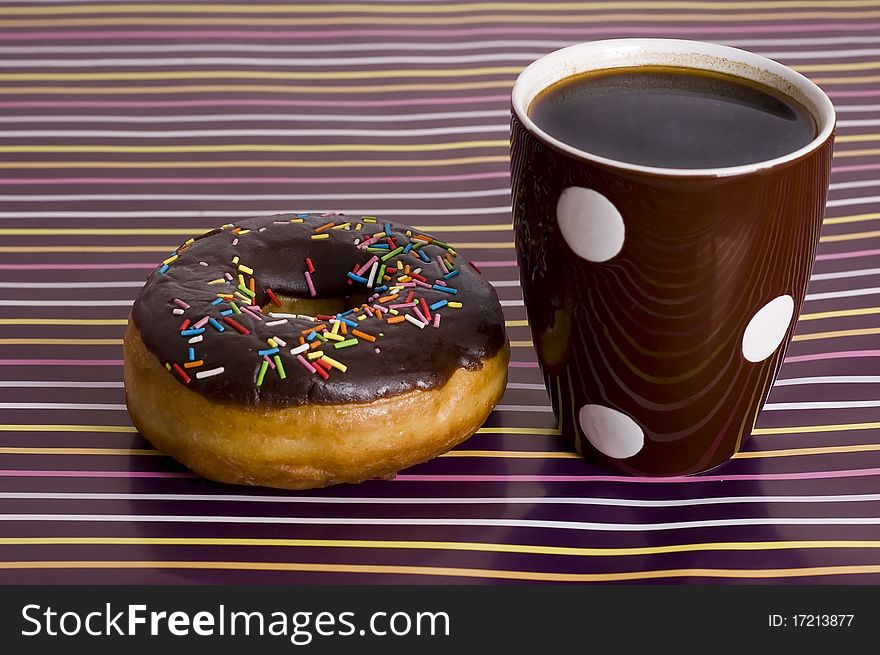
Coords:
pixel 86 406
pixel 859 123
pixel 250 213
pixel 844 404
pixel 185 134
pixel 517 56
pixel 830 379
pixel 526 386
pixel 268 62
pixel 77 285
pixel 257 118
pixel 856 184
pixel 524 408
pixel 61 384
pixel 85 384
pixel 846 202
pixel 395 46
pixel 855 108
pixel 423 500
pixel 483 193
pixel 504 283
pixel 843 294
pixel 459 521
pixel 65 303
pixel 511 303
pixel 843 274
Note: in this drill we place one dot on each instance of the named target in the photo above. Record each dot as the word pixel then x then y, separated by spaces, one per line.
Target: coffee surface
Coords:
pixel 672 117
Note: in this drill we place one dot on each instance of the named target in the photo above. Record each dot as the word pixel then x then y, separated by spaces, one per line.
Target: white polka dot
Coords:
pixel 767 329
pixel 612 433
pixel 590 224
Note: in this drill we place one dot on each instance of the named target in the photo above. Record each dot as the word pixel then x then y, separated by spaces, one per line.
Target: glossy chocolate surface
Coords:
pixel 276 248
pixel 655 332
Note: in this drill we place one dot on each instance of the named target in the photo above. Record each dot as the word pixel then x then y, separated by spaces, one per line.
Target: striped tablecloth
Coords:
pixel 124 128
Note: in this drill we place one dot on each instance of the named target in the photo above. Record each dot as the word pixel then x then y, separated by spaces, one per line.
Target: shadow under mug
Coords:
pixel 661 301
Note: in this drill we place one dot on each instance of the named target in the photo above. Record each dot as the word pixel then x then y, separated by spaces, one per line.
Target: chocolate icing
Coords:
pixel 276 249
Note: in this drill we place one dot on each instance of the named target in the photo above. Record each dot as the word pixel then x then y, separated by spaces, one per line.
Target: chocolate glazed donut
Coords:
pixel 304 350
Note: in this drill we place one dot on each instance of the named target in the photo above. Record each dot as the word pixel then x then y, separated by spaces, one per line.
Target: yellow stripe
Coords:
pixel 821 450
pixel 410 8
pixel 513 454
pixel 544 432
pixel 255 88
pixel 30 427
pixel 117 231
pixel 132 76
pixel 60 342
pixel 63 321
pixel 862 311
pixel 422 21
pixel 495 454
pixel 462 245
pixel 798 429
pixel 486 547
pixel 80 451
pixel 34 427
pixel 855 218
pixel 499 574
pixel 856 153
pixel 123 321
pixel 856 138
pixel 831 238
pixel 836 334
pixel 345 163
pixel 269 147
pixel 825 81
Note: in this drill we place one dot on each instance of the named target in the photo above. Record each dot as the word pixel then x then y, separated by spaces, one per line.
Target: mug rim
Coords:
pixel 616 53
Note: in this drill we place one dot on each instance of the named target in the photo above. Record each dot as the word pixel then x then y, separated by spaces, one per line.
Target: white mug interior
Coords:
pixel 619 53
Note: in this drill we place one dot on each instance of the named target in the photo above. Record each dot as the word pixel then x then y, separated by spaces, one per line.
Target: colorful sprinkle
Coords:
pixel 306 365
pixel 272 297
pixel 235 325
pixel 318 237
pixel 194 364
pixel 216 325
pixel 209 373
pixel 310 284
pixel 181 373
pixel 191 332
pixel 279 367
pixel 451 290
pixel 337 365
pixel 263 366
pixel 419 324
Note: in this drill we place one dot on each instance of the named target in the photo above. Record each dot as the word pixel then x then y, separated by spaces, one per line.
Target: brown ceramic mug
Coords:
pixel 661 300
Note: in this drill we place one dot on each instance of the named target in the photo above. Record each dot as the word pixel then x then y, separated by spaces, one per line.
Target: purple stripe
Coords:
pixel 264 102
pixel 806 475
pixel 60 362
pixel 504 263
pixel 523 365
pixel 841 354
pixel 253 180
pixel 848 255
pixel 436 33
pixel 16 473
pixel 53 267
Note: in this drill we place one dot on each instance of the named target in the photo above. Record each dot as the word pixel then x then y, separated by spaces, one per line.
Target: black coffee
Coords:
pixel 672 117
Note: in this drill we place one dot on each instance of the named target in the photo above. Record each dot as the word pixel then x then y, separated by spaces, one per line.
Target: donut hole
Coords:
pixel 314 306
